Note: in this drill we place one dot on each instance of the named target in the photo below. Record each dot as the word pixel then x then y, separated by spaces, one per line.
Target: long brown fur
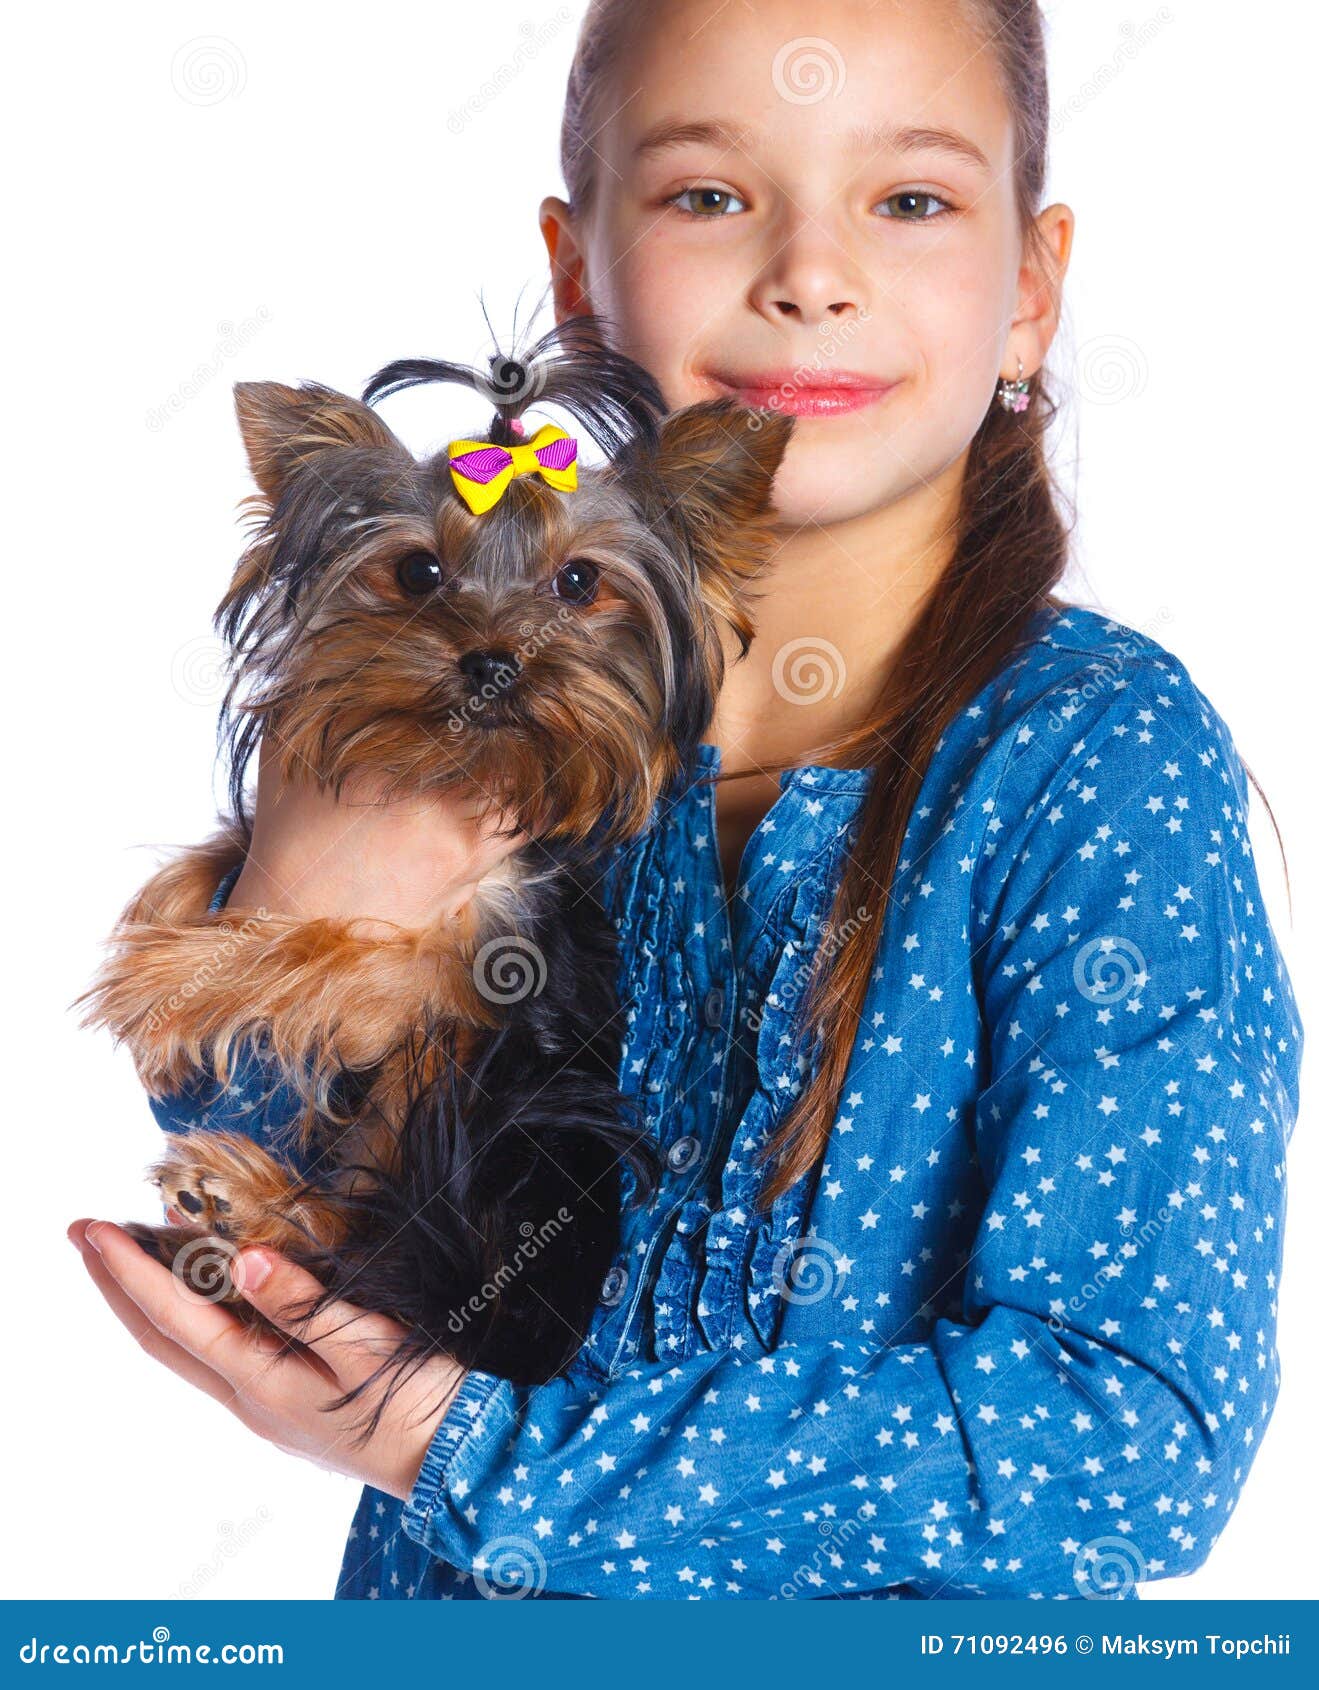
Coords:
pixel 349 676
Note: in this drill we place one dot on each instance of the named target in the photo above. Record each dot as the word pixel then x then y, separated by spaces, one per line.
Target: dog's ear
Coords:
pixel 712 478
pixel 283 427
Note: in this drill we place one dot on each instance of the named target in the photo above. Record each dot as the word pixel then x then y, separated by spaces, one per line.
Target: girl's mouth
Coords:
pixel 803 393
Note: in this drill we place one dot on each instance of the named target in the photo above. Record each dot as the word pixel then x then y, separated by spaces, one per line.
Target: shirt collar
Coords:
pixel 814 779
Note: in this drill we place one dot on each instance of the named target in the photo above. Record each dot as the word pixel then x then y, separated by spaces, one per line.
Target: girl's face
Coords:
pixel 777 210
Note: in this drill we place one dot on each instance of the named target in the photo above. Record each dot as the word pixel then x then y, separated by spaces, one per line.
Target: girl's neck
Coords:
pixel 831 612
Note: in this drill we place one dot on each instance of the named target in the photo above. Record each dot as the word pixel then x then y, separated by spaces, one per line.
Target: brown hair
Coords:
pixel 1010 553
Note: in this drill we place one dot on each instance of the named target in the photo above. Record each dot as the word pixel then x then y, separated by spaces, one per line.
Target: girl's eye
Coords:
pixel 912 204
pixel 710 202
pixel 418 574
pixel 577 581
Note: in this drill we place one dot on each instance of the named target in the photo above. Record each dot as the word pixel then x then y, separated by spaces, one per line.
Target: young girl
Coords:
pixel 957 1016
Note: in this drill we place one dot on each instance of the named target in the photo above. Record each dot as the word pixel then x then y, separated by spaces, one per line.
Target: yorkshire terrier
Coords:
pixel 494 622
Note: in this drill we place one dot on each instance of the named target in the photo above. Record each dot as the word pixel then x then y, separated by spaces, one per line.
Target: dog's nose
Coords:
pixel 488 668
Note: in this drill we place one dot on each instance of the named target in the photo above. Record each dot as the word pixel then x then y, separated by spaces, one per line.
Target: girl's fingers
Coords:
pixel 351 1341
pixel 208 1332
pixel 148 1336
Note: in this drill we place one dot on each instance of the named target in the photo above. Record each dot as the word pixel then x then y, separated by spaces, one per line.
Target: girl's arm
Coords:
pixel 312 855
pixel 1092 1419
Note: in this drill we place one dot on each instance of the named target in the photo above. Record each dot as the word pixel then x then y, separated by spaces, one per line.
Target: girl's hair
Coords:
pixel 1010 553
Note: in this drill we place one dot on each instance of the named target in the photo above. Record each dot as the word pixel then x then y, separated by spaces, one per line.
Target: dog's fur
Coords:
pixel 450 1118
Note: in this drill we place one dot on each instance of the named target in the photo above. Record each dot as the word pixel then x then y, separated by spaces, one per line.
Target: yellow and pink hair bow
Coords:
pixel 481 471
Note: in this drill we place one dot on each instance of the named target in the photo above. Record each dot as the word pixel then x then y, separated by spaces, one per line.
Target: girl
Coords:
pixel 960 1022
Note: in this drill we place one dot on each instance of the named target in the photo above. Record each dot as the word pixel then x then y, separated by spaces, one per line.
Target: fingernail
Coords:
pixel 252 1270
pixel 90 1236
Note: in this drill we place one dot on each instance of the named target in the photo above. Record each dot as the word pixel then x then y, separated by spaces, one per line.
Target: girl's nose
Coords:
pixel 810 280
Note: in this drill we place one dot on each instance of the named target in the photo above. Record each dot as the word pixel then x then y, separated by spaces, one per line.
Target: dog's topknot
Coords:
pixel 616 400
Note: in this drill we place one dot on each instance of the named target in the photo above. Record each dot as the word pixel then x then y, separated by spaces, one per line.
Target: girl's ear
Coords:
pixel 712 477
pixel 283 427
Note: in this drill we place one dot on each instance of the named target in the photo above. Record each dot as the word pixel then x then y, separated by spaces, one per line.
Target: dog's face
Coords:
pixel 560 653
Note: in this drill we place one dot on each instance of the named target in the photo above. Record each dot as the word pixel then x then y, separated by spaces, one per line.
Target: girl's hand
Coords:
pixel 277 1393
pixel 412 863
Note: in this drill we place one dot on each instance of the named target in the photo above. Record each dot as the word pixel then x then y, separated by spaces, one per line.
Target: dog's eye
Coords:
pixel 578 581
pixel 418 574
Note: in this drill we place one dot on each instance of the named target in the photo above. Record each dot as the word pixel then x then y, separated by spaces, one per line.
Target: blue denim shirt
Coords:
pixel 1015 1335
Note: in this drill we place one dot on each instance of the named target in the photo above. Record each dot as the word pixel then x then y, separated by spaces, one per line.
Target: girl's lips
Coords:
pixel 817 397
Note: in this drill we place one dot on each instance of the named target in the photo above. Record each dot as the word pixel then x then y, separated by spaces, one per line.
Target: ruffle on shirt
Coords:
pixel 710 1256
pixel 747 1250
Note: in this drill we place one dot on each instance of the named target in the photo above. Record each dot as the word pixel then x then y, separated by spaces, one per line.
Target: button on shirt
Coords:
pixel 1014 1336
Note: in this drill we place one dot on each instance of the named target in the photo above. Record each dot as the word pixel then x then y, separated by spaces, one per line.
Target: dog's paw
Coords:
pixel 196 1195
pixel 224 1186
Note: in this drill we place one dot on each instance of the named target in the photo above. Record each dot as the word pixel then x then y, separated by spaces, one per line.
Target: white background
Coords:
pixel 280 204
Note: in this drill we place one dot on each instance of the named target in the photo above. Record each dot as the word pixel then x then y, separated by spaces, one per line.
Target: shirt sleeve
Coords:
pixel 1090 1420
pixel 255 1100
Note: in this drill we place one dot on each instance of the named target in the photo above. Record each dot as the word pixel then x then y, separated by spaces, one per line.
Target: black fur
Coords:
pixel 615 399
pixel 456 1244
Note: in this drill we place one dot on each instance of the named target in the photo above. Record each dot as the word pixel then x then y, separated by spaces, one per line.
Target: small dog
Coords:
pixel 489 623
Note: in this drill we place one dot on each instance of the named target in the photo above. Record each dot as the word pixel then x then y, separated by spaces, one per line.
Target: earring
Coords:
pixel 1015 395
